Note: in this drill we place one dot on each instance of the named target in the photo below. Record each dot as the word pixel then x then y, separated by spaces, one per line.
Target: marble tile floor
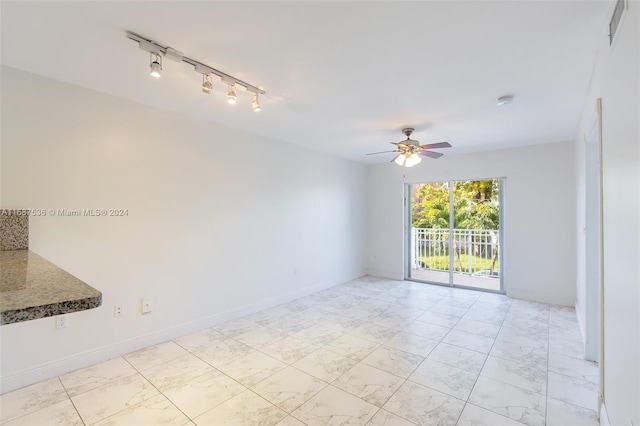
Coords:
pixel 367 352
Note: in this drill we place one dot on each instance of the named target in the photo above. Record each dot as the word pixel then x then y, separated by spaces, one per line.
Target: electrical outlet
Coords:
pixel 118 310
pixel 62 321
pixel 147 305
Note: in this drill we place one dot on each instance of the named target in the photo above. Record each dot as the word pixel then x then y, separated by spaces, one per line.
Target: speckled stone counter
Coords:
pixel 32 287
pixel 14 229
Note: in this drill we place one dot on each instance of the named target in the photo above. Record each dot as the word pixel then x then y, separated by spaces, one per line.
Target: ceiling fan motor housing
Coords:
pixel 410 144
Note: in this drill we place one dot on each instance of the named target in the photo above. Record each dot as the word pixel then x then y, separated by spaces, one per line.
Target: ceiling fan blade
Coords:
pixel 382 152
pixel 436 145
pixel 394 158
pixel 431 154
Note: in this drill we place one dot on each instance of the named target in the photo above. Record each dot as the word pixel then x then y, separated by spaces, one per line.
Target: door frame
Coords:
pixel 502 180
pixel 593 236
pixel 594 248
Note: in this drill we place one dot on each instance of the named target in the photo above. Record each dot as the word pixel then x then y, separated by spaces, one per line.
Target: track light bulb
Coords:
pixel 206 84
pixel 256 104
pixel 231 94
pixel 156 66
pixel 156 69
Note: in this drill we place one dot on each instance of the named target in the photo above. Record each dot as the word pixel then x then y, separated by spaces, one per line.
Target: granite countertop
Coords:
pixel 31 287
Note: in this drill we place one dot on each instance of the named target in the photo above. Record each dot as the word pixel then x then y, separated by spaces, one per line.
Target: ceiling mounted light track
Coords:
pixel 157 51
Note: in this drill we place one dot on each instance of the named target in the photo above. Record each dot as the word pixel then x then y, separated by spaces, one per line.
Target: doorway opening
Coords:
pixel 455 233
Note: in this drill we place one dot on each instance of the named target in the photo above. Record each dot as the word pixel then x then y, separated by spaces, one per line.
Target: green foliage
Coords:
pixel 478 263
pixel 430 207
pixel 479 190
pixel 475 205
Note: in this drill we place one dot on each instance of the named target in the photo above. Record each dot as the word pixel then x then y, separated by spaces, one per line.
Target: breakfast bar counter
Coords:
pixel 31 287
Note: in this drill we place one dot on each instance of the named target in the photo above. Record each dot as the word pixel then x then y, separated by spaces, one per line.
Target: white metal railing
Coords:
pixel 475 251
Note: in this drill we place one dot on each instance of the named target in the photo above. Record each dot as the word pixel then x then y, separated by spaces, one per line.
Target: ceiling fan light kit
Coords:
pixel 157 51
pixel 410 151
pixel 407 161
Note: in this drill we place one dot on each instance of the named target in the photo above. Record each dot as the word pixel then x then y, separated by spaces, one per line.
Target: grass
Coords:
pixel 442 263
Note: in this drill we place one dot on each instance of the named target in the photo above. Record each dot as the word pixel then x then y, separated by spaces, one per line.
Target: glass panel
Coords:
pixel 476 234
pixel 429 239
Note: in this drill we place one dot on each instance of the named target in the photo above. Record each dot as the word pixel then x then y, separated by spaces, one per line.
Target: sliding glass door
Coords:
pixel 455 233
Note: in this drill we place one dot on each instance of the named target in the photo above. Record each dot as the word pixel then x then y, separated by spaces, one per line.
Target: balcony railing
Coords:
pixel 475 251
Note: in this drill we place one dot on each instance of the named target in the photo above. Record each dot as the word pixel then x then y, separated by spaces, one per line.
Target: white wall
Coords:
pixel 218 219
pixel 616 80
pixel 539 214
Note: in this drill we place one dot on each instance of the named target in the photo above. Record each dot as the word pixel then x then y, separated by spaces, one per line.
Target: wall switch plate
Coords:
pixel 147 305
pixel 62 321
pixel 118 310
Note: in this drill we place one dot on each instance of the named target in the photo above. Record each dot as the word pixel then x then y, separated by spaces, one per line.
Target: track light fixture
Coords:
pixel 255 104
pixel 157 51
pixel 156 64
pixel 231 94
pixel 206 84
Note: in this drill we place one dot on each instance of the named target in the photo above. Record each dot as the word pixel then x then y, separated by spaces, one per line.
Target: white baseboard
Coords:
pixel 541 297
pixel 105 353
pixel 385 274
pixel 604 417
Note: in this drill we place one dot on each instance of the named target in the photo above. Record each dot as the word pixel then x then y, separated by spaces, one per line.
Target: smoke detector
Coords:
pixel 504 100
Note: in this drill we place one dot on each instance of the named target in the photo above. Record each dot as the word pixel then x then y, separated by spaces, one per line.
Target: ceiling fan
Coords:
pixel 409 150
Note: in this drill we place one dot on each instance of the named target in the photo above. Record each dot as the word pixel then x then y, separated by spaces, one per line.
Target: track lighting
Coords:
pixel 157 51
pixel 231 94
pixel 206 84
pixel 256 104
pixel 156 65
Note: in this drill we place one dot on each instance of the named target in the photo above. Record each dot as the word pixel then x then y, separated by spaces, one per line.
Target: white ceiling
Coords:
pixel 340 77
